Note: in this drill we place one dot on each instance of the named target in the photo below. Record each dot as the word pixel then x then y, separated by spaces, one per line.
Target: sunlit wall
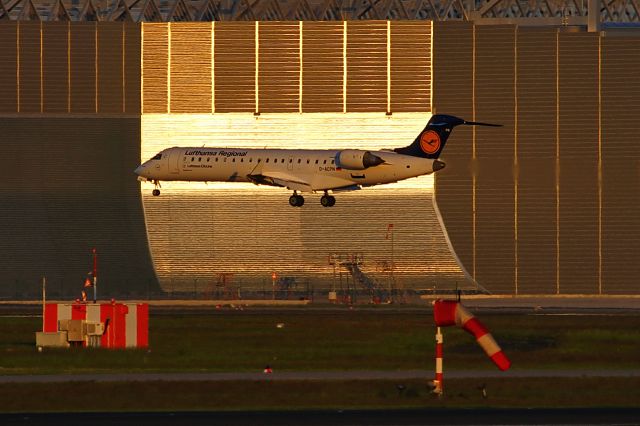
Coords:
pixel 198 231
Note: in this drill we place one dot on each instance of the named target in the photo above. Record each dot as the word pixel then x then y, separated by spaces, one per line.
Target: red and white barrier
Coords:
pixel 126 325
pixel 448 313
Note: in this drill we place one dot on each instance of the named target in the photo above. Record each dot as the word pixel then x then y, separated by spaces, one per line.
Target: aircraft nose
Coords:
pixel 438 165
pixel 139 170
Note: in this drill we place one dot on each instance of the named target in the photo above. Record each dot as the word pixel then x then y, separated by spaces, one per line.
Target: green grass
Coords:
pixel 322 339
pixel 334 340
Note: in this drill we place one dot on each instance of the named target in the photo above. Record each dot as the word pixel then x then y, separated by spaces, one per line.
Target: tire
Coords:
pixel 156 192
pixel 332 201
pixel 325 200
pixel 293 201
pixel 300 201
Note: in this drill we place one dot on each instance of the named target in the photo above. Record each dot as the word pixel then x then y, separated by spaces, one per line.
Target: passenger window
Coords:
pixel 266 161
pixel 316 161
pixel 290 160
pixel 193 158
pixel 225 159
pixel 259 160
pixel 324 162
pixel 308 161
pixel 216 159
pixel 199 159
pixel 251 160
pixel 242 160
pixel 332 161
pixel 208 159
pixel 233 161
pixel 299 160
pixel 282 161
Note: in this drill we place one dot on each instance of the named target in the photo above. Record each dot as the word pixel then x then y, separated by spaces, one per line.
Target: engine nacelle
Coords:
pixel 355 159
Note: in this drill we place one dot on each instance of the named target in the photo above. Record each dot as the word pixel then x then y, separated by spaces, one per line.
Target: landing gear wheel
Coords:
pixel 296 200
pixel 327 201
pixel 155 192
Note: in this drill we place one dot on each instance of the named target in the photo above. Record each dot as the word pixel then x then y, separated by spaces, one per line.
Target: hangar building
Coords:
pixel 542 205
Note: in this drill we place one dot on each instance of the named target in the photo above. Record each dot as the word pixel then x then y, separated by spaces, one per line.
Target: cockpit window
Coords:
pixel 158 156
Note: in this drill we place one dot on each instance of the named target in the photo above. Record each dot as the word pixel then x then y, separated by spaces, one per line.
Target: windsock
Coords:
pixel 448 312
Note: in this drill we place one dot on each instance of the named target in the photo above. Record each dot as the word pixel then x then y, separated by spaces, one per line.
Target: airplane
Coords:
pixel 306 171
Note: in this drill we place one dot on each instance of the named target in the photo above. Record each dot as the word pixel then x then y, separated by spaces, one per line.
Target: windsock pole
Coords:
pixel 437 383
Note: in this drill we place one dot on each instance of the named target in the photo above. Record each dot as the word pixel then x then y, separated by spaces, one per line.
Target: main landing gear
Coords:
pixel 296 200
pixel 327 200
pixel 156 191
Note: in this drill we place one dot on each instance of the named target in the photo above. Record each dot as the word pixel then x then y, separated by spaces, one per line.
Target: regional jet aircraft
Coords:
pixel 301 170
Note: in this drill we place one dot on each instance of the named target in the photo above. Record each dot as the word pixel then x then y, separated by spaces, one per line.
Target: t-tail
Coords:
pixel 431 141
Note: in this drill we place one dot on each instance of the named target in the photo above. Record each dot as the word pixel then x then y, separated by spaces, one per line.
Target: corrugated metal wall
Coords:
pixel 67 187
pixel 552 191
pixel 274 67
pixel 536 159
pixel 453 94
pixel 79 68
pixel 71 145
pixel 620 62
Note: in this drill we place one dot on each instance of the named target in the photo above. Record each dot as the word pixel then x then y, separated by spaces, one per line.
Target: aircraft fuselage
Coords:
pixel 319 169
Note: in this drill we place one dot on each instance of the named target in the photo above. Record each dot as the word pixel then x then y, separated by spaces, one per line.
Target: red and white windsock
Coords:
pixel 449 312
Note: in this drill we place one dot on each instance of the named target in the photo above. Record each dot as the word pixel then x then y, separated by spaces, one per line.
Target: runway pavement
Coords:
pixel 311 376
pixel 413 417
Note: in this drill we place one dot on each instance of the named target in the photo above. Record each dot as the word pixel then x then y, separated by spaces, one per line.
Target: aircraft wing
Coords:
pixel 296 183
pixel 304 183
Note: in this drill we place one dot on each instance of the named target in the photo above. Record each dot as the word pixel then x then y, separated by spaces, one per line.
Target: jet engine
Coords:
pixel 354 159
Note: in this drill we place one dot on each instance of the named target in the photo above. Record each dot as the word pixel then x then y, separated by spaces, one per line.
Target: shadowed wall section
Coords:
pixel 71 131
pixel 546 204
pixel 69 187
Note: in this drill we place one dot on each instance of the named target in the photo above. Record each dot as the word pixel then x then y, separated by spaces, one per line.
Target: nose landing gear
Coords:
pixel 156 191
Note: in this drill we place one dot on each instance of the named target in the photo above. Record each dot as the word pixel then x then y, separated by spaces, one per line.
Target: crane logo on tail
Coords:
pixel 430 142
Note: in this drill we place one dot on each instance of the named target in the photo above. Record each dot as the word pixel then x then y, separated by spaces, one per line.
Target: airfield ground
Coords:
pixel 591 358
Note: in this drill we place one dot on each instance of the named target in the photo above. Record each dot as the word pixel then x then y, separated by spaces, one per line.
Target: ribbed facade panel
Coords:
pixel 366 66
pixel 578 148
pixel 512 242
pixel 55 67
pixel 410 66
pixel 83 68
pixel 279 67
pixel 30 67
pixel 80 193
pixel 235 66
pixel 322 66
pixel 9 67
pixel 495 149
pixel 155 68
pixel 132 68
pixel 620 160
pixel 252 232
pixel 453 94
pixel 110 67
pixel 191 81
pixel 536 155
